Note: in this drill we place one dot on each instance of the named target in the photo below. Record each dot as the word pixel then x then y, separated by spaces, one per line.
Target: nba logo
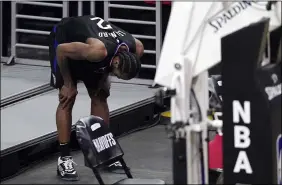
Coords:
pixel 279 159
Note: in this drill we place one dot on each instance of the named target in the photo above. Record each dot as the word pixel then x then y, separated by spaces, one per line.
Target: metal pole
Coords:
pixel 106 10
pixel 40 3
pixel 131 21
pixel 132 7
pixel 92 7
pixel 158 30
pixel 37 17
pixel 65 9
pixel 80 7
pixel 1 31
pixel 13 28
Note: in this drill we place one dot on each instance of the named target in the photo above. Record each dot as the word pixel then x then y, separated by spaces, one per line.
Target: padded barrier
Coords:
pixel 252 106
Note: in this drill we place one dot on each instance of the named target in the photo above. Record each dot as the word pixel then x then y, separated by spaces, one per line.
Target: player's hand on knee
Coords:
pixel 67 95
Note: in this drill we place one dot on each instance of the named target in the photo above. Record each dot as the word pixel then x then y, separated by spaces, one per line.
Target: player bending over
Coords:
pixel 88 49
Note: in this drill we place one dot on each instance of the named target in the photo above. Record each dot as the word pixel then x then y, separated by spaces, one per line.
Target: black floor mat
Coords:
pixel 148 153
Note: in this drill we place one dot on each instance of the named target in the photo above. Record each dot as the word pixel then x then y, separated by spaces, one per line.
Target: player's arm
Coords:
pixel 93 52
pixel 139 48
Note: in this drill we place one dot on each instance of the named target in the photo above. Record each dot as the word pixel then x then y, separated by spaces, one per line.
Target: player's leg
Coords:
pixel 99 91
pixel 65 168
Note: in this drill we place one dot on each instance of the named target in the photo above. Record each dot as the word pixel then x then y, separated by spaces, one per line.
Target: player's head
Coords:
pixel 126 65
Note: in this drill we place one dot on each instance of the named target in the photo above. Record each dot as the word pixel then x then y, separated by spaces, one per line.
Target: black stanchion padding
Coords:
pixel 275 44
pixel 251 120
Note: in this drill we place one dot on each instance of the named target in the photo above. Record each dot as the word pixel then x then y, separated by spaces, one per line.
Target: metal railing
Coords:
pixel 15 16
pixel 158 34
pixel 14 27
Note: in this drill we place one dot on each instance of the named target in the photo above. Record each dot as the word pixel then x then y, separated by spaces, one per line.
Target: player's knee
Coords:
pixel 99 95
pixel 68 106
pixel 99 98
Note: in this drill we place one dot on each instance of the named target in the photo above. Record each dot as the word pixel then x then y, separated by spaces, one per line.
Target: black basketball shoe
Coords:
pixel 66 170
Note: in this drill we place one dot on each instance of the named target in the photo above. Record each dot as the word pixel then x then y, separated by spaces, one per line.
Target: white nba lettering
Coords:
pixel 241 136
pixel 243 163
pixel 101 21
pixel 239 111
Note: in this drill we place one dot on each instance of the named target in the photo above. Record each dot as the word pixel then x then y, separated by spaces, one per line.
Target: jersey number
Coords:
pixel 100 22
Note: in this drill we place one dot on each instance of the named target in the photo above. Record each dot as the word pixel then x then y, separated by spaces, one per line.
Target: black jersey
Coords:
pixel 79 29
